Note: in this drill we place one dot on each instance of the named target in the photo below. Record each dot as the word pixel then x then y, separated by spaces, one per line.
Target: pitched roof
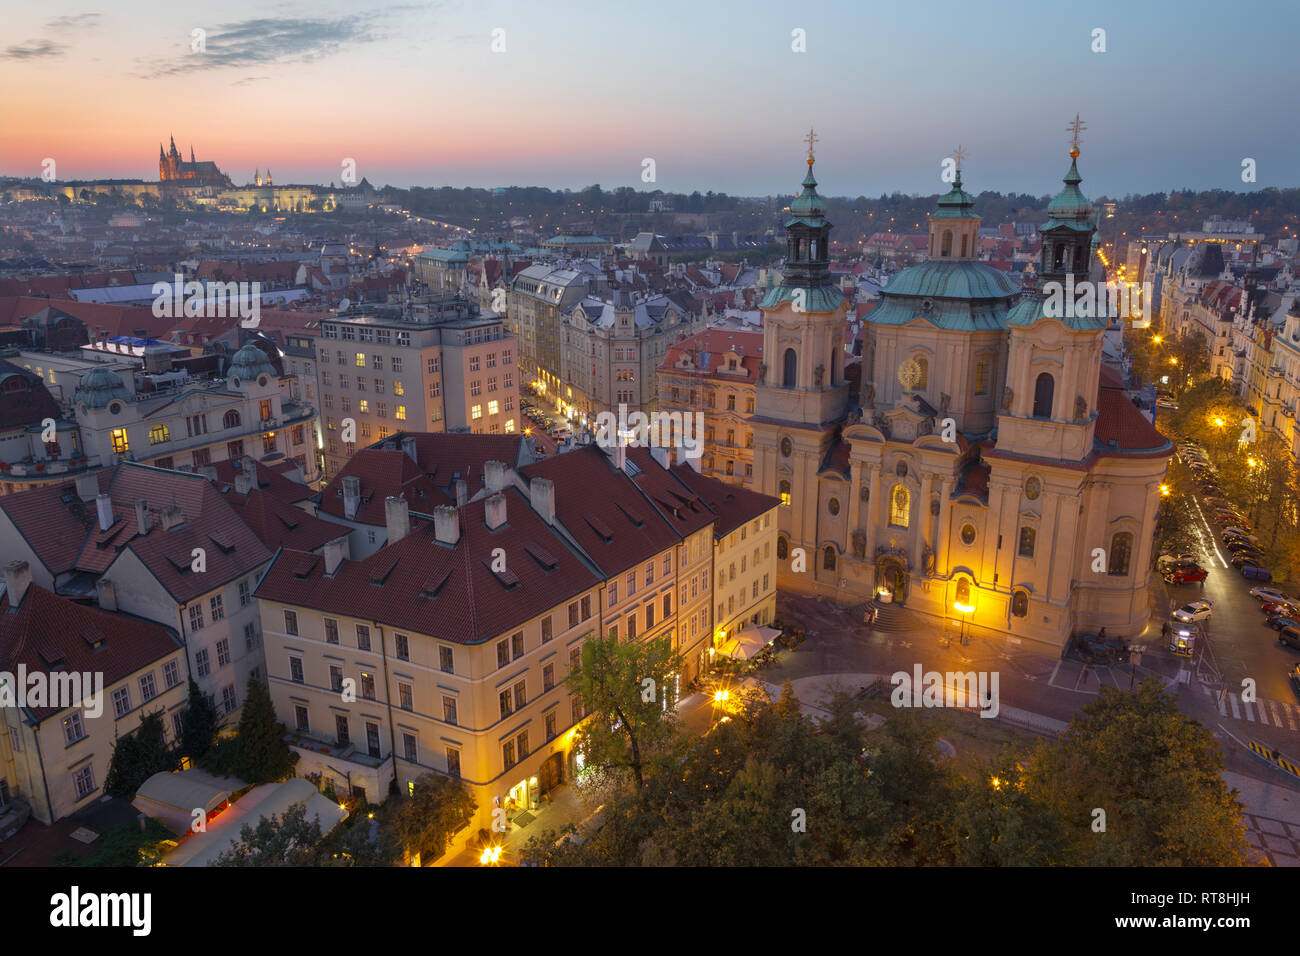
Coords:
pixel 279 524
pixel 384 473
pixel 47 633
pixel 269 479
pixel 732 504
pixel 448 591
pixel 24 399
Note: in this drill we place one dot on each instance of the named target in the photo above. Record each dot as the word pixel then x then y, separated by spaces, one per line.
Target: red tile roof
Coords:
pixel 603 509
pixel 448 591
pixel 278 524
pixel 24 399
pixel 270 479
pixel 732 504
pixel 384 473
pixel 1120 422
pixel 47 633
pixel 678 503
pixel 716 344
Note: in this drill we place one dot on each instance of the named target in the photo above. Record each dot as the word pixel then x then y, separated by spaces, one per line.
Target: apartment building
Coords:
pixel 152 408
pixel 447 649
pixel 539 299
pixel 715 372
pixel 613 348
pixel 55 756
pixel 437 364
pixel 166 546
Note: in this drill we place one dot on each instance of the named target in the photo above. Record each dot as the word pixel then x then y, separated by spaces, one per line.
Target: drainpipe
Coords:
pixel 388 700
pixel 45 783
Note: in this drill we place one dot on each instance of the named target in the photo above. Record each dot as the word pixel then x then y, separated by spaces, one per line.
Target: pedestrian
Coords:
pixel 1164 631
pixel 1101 635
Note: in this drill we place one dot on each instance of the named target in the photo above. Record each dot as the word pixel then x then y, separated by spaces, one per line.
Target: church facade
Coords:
pixel 174 171
pixel 988 471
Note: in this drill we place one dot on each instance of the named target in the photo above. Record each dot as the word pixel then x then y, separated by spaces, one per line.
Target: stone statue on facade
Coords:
pixel 859 544
pixel 927 559
pixel 944 401
pixel 762 373
pixel 869 394
pixel 1080 408
pixel 818 373
pixel 1008 396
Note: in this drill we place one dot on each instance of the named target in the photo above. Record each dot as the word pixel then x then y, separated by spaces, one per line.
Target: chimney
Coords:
pixel 18 578
pixel 208 472
pixel 171 517
pixel 397 513
pixel 462 492
pixel 104 507
pixel 336 552
pixel 107 594
pixel 494 511
pixel 660 454
pixel 446 524
pixel 88 486
pixel 620 453
pixel 408 446
pixel 495 474
pixel 142 515
pixel 351 496
pixel 244 482
pixel 542 493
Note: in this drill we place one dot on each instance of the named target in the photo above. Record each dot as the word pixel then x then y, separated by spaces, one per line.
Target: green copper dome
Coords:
pixel 809 207
pixel 250 362
pixel 1033 307
pixel 953 294
pixel 1071 207
pixel 98 387
pixel 956 204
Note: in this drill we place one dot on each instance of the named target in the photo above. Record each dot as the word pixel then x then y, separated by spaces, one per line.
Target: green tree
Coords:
pixel 138 756
pixel 262 754
pixel 199 725
pixel 1155 773
pixel 291 839
pixel 424 822
pixel 621 685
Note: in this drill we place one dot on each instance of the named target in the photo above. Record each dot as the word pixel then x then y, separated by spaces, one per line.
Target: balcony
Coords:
pixel 348 753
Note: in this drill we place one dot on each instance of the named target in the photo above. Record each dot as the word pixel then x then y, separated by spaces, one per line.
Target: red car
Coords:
pixel 1185 575
pixel 1272 609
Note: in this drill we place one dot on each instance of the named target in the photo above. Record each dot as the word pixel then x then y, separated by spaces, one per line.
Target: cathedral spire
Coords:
pixel 173 150
pixel 191 152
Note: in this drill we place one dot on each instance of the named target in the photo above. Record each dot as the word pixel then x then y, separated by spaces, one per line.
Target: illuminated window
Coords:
pixel 265 407
pixel 361 360
pixel 120 445
pixel 494 407
pixel 159 434
pixel 398 387
pixel 900 506
pixel 785 493
pixel 476 412
pixel 400 413
pixel 363 405
pixel 510 425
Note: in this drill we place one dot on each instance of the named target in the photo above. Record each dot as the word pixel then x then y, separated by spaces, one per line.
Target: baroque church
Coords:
pixel 989 471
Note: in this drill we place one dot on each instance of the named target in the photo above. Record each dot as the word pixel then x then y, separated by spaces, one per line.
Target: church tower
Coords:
pixel 1049 402
pixel 802 395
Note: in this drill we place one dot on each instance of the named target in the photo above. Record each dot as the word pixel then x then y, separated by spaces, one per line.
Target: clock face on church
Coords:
pixel 909 374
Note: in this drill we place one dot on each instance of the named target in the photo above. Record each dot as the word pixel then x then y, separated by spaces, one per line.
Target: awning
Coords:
pixel 747 642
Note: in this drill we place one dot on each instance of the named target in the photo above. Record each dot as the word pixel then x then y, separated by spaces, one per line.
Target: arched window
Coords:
pixel 900 506
pixel 924 378
pixel 946 249
pixel 981 377
pixel 1044 389
pixel 782 548
pixel 828 557
pixel 1020 604
pixel 788 373
pixel 785 493
pixel 1121 549
pixel 963 246
pixel 232 419
pixel 963 591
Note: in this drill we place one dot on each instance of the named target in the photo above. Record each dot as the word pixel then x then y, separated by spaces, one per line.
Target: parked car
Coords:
pixel 1295 678
pixel 1241 560
pixel 1269 594
pixel 1235 532
pixel 1186 575
pixel 1290 636
pixel 1169 560
pixel 1253 572
pixel 1279 621
pixel 1196 611
pixel 1274 608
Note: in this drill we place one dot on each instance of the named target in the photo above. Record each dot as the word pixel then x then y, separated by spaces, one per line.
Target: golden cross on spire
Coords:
pixel 959 154
pixel 810 139
pixel 1075 128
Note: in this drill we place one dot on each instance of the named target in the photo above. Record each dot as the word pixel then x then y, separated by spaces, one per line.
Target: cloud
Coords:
pixel 272 41
pixel 33 50
pixel 72 22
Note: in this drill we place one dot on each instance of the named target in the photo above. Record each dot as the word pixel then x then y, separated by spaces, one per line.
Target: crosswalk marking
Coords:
pixel 1271 713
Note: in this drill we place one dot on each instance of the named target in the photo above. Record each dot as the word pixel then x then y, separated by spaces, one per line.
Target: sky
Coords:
pixel 567 94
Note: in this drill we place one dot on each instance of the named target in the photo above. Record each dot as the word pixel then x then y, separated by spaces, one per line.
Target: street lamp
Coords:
pixel 965 609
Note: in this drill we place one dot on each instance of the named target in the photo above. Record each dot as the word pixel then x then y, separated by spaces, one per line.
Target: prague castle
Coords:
pixel 174 170
pixel 989 470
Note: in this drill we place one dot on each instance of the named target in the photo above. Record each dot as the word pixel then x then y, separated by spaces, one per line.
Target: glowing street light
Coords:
pixel 1164 491
pixel 490 856
pixel 967 610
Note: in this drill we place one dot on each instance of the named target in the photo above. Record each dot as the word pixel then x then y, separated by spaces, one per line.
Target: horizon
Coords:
pixel 725 116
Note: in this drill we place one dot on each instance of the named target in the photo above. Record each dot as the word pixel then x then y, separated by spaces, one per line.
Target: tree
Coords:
pixel 1155 773
pixel 138 756
pixel 262 754
pixel 199 725
pixel 423 822
pixel 621 685
pixel 287 840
